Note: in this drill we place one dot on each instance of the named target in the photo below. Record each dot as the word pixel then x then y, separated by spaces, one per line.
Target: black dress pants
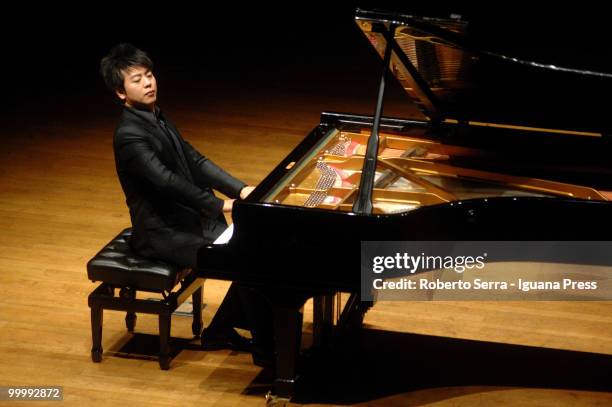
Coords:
pixel 242 307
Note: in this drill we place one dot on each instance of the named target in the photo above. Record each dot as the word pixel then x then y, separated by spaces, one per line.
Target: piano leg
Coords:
pixel 323 323
pixel 288 338
pixel 288 315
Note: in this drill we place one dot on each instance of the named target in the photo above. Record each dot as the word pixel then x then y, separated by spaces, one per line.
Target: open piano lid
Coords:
pixel 452 80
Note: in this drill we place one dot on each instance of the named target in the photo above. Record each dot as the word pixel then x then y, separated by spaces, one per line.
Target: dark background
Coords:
pixel 50 55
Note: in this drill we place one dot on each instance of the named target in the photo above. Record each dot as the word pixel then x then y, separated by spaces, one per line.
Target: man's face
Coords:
pixel 140 87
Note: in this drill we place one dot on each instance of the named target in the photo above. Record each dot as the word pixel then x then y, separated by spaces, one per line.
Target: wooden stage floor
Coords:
pixel 60 202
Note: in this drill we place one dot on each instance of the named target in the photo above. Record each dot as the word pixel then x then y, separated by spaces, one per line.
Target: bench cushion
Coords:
pixel 118 265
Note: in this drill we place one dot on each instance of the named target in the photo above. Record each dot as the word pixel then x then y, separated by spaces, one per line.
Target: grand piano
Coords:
pixel 506 149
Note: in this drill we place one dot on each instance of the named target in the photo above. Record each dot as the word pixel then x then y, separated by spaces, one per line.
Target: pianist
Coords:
pixel 168 184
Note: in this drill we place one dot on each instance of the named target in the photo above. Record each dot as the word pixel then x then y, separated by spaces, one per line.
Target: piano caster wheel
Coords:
pixel 96 355
pixel 164 362
pixel 273 400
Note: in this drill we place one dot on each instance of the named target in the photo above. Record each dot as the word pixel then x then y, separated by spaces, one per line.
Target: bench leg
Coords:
pixel 164 340
pixel 196 326
pixel 130 321
pixel 130 318
pixel 96 333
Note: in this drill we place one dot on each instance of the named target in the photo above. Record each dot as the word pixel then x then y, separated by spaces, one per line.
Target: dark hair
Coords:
pixel 120 58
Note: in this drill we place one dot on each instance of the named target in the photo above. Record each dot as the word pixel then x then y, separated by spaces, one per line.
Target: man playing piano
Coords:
pixel 169 185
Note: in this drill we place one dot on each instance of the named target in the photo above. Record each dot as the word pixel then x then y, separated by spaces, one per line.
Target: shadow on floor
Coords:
pixel 146 346
pixel 379 364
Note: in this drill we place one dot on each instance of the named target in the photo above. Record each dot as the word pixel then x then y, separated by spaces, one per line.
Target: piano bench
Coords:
pixel 118 267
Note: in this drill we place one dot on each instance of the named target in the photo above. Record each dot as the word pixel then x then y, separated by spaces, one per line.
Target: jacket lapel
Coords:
pixel 159 133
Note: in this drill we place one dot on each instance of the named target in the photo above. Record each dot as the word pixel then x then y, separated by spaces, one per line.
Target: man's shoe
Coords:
pixel 225 339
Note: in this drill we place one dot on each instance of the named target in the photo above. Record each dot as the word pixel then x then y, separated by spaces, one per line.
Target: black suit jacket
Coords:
pixel 172 205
